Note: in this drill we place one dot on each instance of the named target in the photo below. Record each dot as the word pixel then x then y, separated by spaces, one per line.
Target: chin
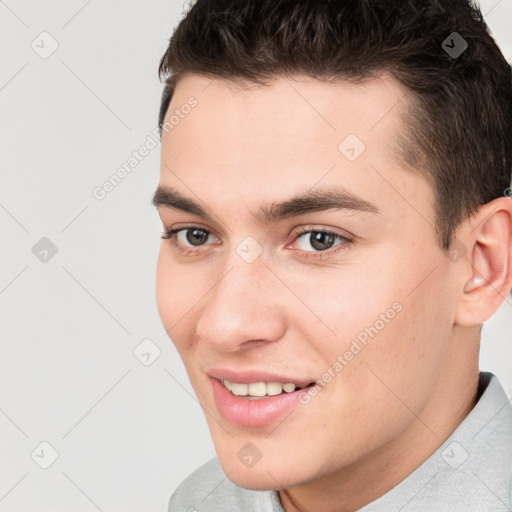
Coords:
pixel 256 479
pixel 270 473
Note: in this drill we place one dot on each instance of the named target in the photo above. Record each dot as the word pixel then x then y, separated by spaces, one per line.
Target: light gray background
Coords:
pixel 126 434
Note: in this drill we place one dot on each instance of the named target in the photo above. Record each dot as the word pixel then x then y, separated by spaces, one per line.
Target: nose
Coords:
pixel 243 307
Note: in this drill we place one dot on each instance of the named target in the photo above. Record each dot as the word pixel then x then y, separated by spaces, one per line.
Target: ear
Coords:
pixel 486 278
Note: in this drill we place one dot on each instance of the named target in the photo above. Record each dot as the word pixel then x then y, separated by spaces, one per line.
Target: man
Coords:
pixel 335 197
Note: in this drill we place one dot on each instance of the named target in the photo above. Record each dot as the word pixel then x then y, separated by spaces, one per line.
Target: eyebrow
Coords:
pixel 305 202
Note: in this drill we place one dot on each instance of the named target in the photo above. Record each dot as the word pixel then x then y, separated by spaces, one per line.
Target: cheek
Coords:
pixel 175 297
pixel 165 294
pixel 374 334
pixel 338 305
pixel 401 357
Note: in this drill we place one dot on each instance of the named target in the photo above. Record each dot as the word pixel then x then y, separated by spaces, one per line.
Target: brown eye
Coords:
pixel 196 236
pixel 189 239
pixel 319 243
pixel 321 240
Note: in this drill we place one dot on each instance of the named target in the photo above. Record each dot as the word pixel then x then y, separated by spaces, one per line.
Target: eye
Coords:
pixel 187 238
pixel 322 241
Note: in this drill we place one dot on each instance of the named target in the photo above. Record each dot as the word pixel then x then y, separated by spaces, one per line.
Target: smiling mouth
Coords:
pixel 261 390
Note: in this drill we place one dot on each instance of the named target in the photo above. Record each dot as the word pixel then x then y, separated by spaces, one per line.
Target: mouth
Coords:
pixel 256 404
pixel 261 390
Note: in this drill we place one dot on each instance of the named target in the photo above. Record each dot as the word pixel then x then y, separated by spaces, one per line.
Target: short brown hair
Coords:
pixel 458 129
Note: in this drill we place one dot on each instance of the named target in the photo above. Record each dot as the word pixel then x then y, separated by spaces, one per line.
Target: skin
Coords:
pixel 405 392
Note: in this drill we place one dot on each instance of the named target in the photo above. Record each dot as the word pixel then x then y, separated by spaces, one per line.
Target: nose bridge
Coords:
pixel 242 305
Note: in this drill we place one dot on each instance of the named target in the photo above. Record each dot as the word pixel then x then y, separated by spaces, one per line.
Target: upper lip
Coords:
pixel 250 376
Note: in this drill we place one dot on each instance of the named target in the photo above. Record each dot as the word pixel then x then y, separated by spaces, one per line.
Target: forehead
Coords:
pixel 253 142
pixel 370 105
pixel 307 117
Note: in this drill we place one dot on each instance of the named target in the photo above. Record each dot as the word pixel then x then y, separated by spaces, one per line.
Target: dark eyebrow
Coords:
pixel 302 203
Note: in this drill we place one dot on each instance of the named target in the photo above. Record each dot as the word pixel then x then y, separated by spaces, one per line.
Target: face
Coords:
pixel 304 252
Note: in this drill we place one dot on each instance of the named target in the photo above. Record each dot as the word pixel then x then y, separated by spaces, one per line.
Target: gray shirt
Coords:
pixel 470 472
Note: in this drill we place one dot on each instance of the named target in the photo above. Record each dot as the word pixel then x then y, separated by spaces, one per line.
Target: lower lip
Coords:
pixel 253 413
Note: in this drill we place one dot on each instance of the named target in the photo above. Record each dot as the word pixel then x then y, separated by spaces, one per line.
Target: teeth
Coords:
pixel 239 389
pixel 257 389
pixel 274 388
pixel 260 389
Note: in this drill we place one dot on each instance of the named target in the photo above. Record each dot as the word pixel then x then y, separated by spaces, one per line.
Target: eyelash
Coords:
pixel 170 234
